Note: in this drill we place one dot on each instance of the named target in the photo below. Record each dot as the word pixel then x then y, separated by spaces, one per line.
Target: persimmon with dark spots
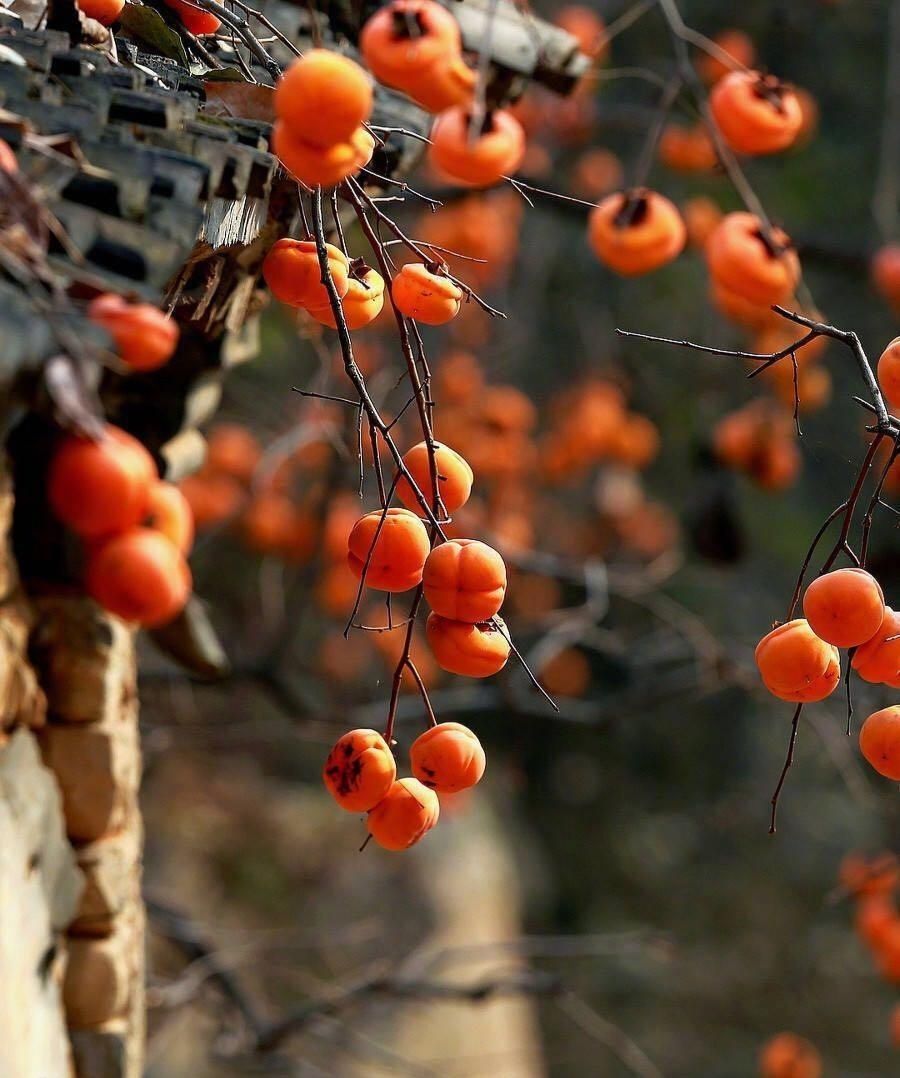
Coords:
pixel 361 304
pixel 425 294
pixel 323 97
pixel 447 758
pixel 741 260
pixel 844 607
pixel 634 232
pixel 878 659
pixel 97 487
pixel 739 50
pixel 464 580
pixel 755 113
pixel 470 650
pixel 390 547
pixel 787 1055
pixel 144 337
pixel 452 472
pixel 169 512
pixel 291 270
pixel 403 41
pixel 324 166
pixel 482 159
pixel 139 575
pixel 879 741
pixel 796 665
pixel 885 271
pixel 359 770
pixel 406 813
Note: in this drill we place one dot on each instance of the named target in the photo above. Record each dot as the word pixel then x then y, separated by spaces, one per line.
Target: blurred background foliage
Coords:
pixel 634 824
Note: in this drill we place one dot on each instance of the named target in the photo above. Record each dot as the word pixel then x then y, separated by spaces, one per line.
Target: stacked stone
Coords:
pixel 85 661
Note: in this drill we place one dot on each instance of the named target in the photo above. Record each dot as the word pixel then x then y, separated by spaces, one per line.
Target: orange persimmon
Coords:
pixel 359 770
pixel 169 512
pixel 139 575
pixel 741 261
pixel 425 295
pixel 144 337
pixel 788 1056
pixel 879 741
pixel 634 232
pixel 406 813
pixel 464 580
pixel 323 166
pixel 361 303
pixel 395 546
pixel 291 270
pixel 447 758
pixel 844 607
pixel 471 650
pixel 495 151
pixel 755 113
pixel 323 97
pixel 454 477
pixel 796 665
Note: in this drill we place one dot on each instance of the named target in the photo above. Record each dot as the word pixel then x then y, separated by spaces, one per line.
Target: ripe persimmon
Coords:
pixel 169 512
pixel 99 487
pixel 323 97
pixel 586 26
pixel 323 166
pixel 144 337
pixel 788 1056
pixel 637 231
pixel 395 550
pixel 741 261
pixel 361 303
pixel 103 11
pixel 495 151
pixel 212 497
pixel 755 113
pixel 454 477
pixel 879 741
pixel 738 49
pixel 270 522
pixel 138 575
pixel 449 84
pixel 291 270
pixel 458 378
pixel 464 580
pixel 406 813
pixel 885 271
pixel 862 876
pixel 428 296
pixel 687 149
pixel 359 770
pixel 447 758
pixel 889 373
pixel 403 41
pixel 194 19
pixel 471 650
pixel 596 173
pixel 797 665
pixel 701 217
pixel 567 673
pixel 844 607
pixel 875 916
pixel 878 659
pixel 233 450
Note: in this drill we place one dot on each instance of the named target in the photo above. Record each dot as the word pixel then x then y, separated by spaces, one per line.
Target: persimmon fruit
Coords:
pixel 144 337
pixel 359 770
pixel 291 270
pixel 395 550
pixel 447 758
pixel 495 151
pixel 741 261
pixel 796 665
pixel 454 477
pixel 425 295
pixel 879 741
pixel 844 607
pixel 405 814
pixel 471 650
pixel 755 113
pixel 323 97
pixel 169 512
pixel 464 580
pixel 140 576
pixel 634 232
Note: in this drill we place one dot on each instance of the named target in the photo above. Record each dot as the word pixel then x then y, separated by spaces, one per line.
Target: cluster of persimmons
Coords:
pixel 873 884
pixel 103 485
pixel 799 660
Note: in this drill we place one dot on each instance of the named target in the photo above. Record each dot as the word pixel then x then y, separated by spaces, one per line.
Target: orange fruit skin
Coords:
pixel 144 337
pixel 397 554
pixel 406 814
pixel 103 11
pixel 656 235
pixel 212 497
pixel 796 665
pixel 140 576
pixel 747 120
pixel 889 373
pixel 863 877
pixel 324 166
pixel 462 648
pixel 844 607
pixel 194 19
pixel 233 450
pixel 876 917
pixel 169 513
pixel 740 262
pixel 879 741
pixel 291 270
pixel 464 580
pixel 885 271
pixel 323 97
pixel 701 217
pixel 359 770
pixel 447 758
pixel 739 47
pixel 96 488
pixel 788 1056
pixel 687 149
pixel 586 26
pixel 427 297
pixel 8 161
pixel 361 304
pixel 454 477
pixel 449 84
pixel 878 659
pixel 481 161
pixel 402 60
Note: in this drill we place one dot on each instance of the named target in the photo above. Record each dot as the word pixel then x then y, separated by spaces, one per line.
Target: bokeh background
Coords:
pixel 621 846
